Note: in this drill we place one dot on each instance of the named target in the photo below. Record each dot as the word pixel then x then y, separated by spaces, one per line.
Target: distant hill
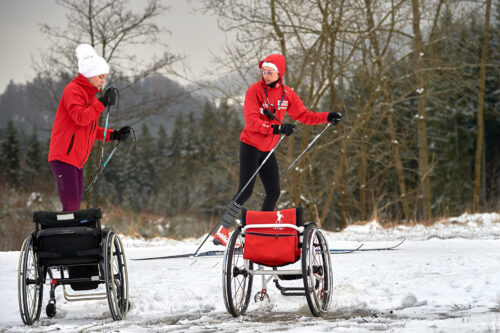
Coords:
pixel 155 100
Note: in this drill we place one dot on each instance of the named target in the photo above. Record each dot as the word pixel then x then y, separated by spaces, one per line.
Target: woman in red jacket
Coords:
pixel 261 133
pixel 75 125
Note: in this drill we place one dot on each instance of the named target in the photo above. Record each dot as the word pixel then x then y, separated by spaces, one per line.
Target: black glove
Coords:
pixel 109 97
pixel 334 117
pixel 121 134
pixel 285 128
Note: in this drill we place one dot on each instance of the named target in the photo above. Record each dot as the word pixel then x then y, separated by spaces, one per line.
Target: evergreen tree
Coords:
pixel 33 157
pixel 11 154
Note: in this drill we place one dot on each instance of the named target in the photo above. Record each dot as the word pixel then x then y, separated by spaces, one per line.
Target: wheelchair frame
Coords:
pixel 111 268
pixel 316 271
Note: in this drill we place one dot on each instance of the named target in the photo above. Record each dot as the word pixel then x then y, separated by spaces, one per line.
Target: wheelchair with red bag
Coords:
pixel 70 248
pixel 273 240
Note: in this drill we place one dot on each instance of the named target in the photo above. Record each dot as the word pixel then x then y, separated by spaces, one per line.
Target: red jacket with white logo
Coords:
pixel 75 126
pixel 258 131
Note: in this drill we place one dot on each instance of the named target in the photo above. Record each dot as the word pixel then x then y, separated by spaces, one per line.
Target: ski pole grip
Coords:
pixel 270 115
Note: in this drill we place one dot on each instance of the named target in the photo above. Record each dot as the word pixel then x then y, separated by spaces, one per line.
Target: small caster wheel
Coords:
pixel 51 310
pixel 261 296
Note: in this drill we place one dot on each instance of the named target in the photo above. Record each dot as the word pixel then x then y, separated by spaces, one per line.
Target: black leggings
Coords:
pixel 250 159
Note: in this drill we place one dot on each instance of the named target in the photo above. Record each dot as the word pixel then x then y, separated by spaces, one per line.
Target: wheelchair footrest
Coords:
pixel 289 291
pixel 290 277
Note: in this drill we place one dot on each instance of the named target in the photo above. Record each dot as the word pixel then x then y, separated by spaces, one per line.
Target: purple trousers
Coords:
pixel 69 180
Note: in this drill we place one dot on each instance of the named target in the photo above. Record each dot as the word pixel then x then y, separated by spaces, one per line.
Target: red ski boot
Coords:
pixel 221 237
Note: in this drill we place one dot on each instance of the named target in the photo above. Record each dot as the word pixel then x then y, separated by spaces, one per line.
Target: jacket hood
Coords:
pixel 278 60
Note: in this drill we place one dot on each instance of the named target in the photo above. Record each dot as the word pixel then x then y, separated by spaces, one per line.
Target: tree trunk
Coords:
pixel 480 113
pixel 362 180
pixel 423 153
pixel 293 187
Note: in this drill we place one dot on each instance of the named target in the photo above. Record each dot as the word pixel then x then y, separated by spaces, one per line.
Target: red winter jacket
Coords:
pixel 258 131
pixel 75 126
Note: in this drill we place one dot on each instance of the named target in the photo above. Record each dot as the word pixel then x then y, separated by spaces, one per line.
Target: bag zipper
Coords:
pixel 269 235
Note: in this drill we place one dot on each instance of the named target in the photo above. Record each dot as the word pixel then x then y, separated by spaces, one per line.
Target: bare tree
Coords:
pixel 379 52
pixel 114 31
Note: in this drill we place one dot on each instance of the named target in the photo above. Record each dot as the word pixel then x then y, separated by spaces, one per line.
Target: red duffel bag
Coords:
pixel 272 246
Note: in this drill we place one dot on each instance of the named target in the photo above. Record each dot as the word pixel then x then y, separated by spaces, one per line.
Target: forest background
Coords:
pixel 416 81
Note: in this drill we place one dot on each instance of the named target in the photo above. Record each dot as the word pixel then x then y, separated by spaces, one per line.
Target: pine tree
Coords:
pixel 33 156
pixel 11 154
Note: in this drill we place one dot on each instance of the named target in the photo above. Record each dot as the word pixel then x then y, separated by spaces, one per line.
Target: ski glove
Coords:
pixel 121 134
pixel 334 117
pixel 232 210
pixel 109 97
pixel 286 128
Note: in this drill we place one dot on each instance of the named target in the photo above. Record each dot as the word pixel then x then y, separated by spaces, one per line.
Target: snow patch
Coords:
pixel 468 226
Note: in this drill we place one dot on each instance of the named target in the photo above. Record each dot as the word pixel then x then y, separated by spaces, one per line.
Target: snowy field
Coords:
pixel 444 278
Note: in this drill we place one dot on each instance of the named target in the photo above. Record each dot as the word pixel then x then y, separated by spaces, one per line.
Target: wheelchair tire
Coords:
pixel 236 282
pixel 29 284
pixel 115 276
pixel 316 270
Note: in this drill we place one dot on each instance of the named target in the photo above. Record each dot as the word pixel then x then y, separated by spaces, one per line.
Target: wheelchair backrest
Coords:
pixel 90 218
pixel 275 244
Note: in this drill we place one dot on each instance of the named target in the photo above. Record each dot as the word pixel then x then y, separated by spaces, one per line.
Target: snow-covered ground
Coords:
pixel 444 278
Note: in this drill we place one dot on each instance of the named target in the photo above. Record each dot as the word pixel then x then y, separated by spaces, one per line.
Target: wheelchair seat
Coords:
pixel 68 237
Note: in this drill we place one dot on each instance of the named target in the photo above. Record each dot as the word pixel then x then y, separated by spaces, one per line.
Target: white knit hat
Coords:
pixel 89 63
pixel 270 64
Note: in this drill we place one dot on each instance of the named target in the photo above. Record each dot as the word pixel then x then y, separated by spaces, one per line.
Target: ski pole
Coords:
pixel 113 92
pixel 95 180
pixel 99 172
pixel 295 161
pixel 237 196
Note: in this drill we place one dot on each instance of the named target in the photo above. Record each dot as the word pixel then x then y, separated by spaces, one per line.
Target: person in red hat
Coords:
pixel 266 103
pixel 76 127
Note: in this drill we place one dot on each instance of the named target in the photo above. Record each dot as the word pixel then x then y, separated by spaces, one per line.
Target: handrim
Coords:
pixel 236 289
pixel 29 294
pixel 115 263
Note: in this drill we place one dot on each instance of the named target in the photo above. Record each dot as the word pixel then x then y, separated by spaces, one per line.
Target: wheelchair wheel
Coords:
pixel 29 284
pixel 116 276
pixel 236 282
pixel 316 270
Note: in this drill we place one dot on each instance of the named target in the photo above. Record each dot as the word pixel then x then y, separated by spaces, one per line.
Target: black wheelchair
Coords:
pixel 71 248
pixel 276 239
